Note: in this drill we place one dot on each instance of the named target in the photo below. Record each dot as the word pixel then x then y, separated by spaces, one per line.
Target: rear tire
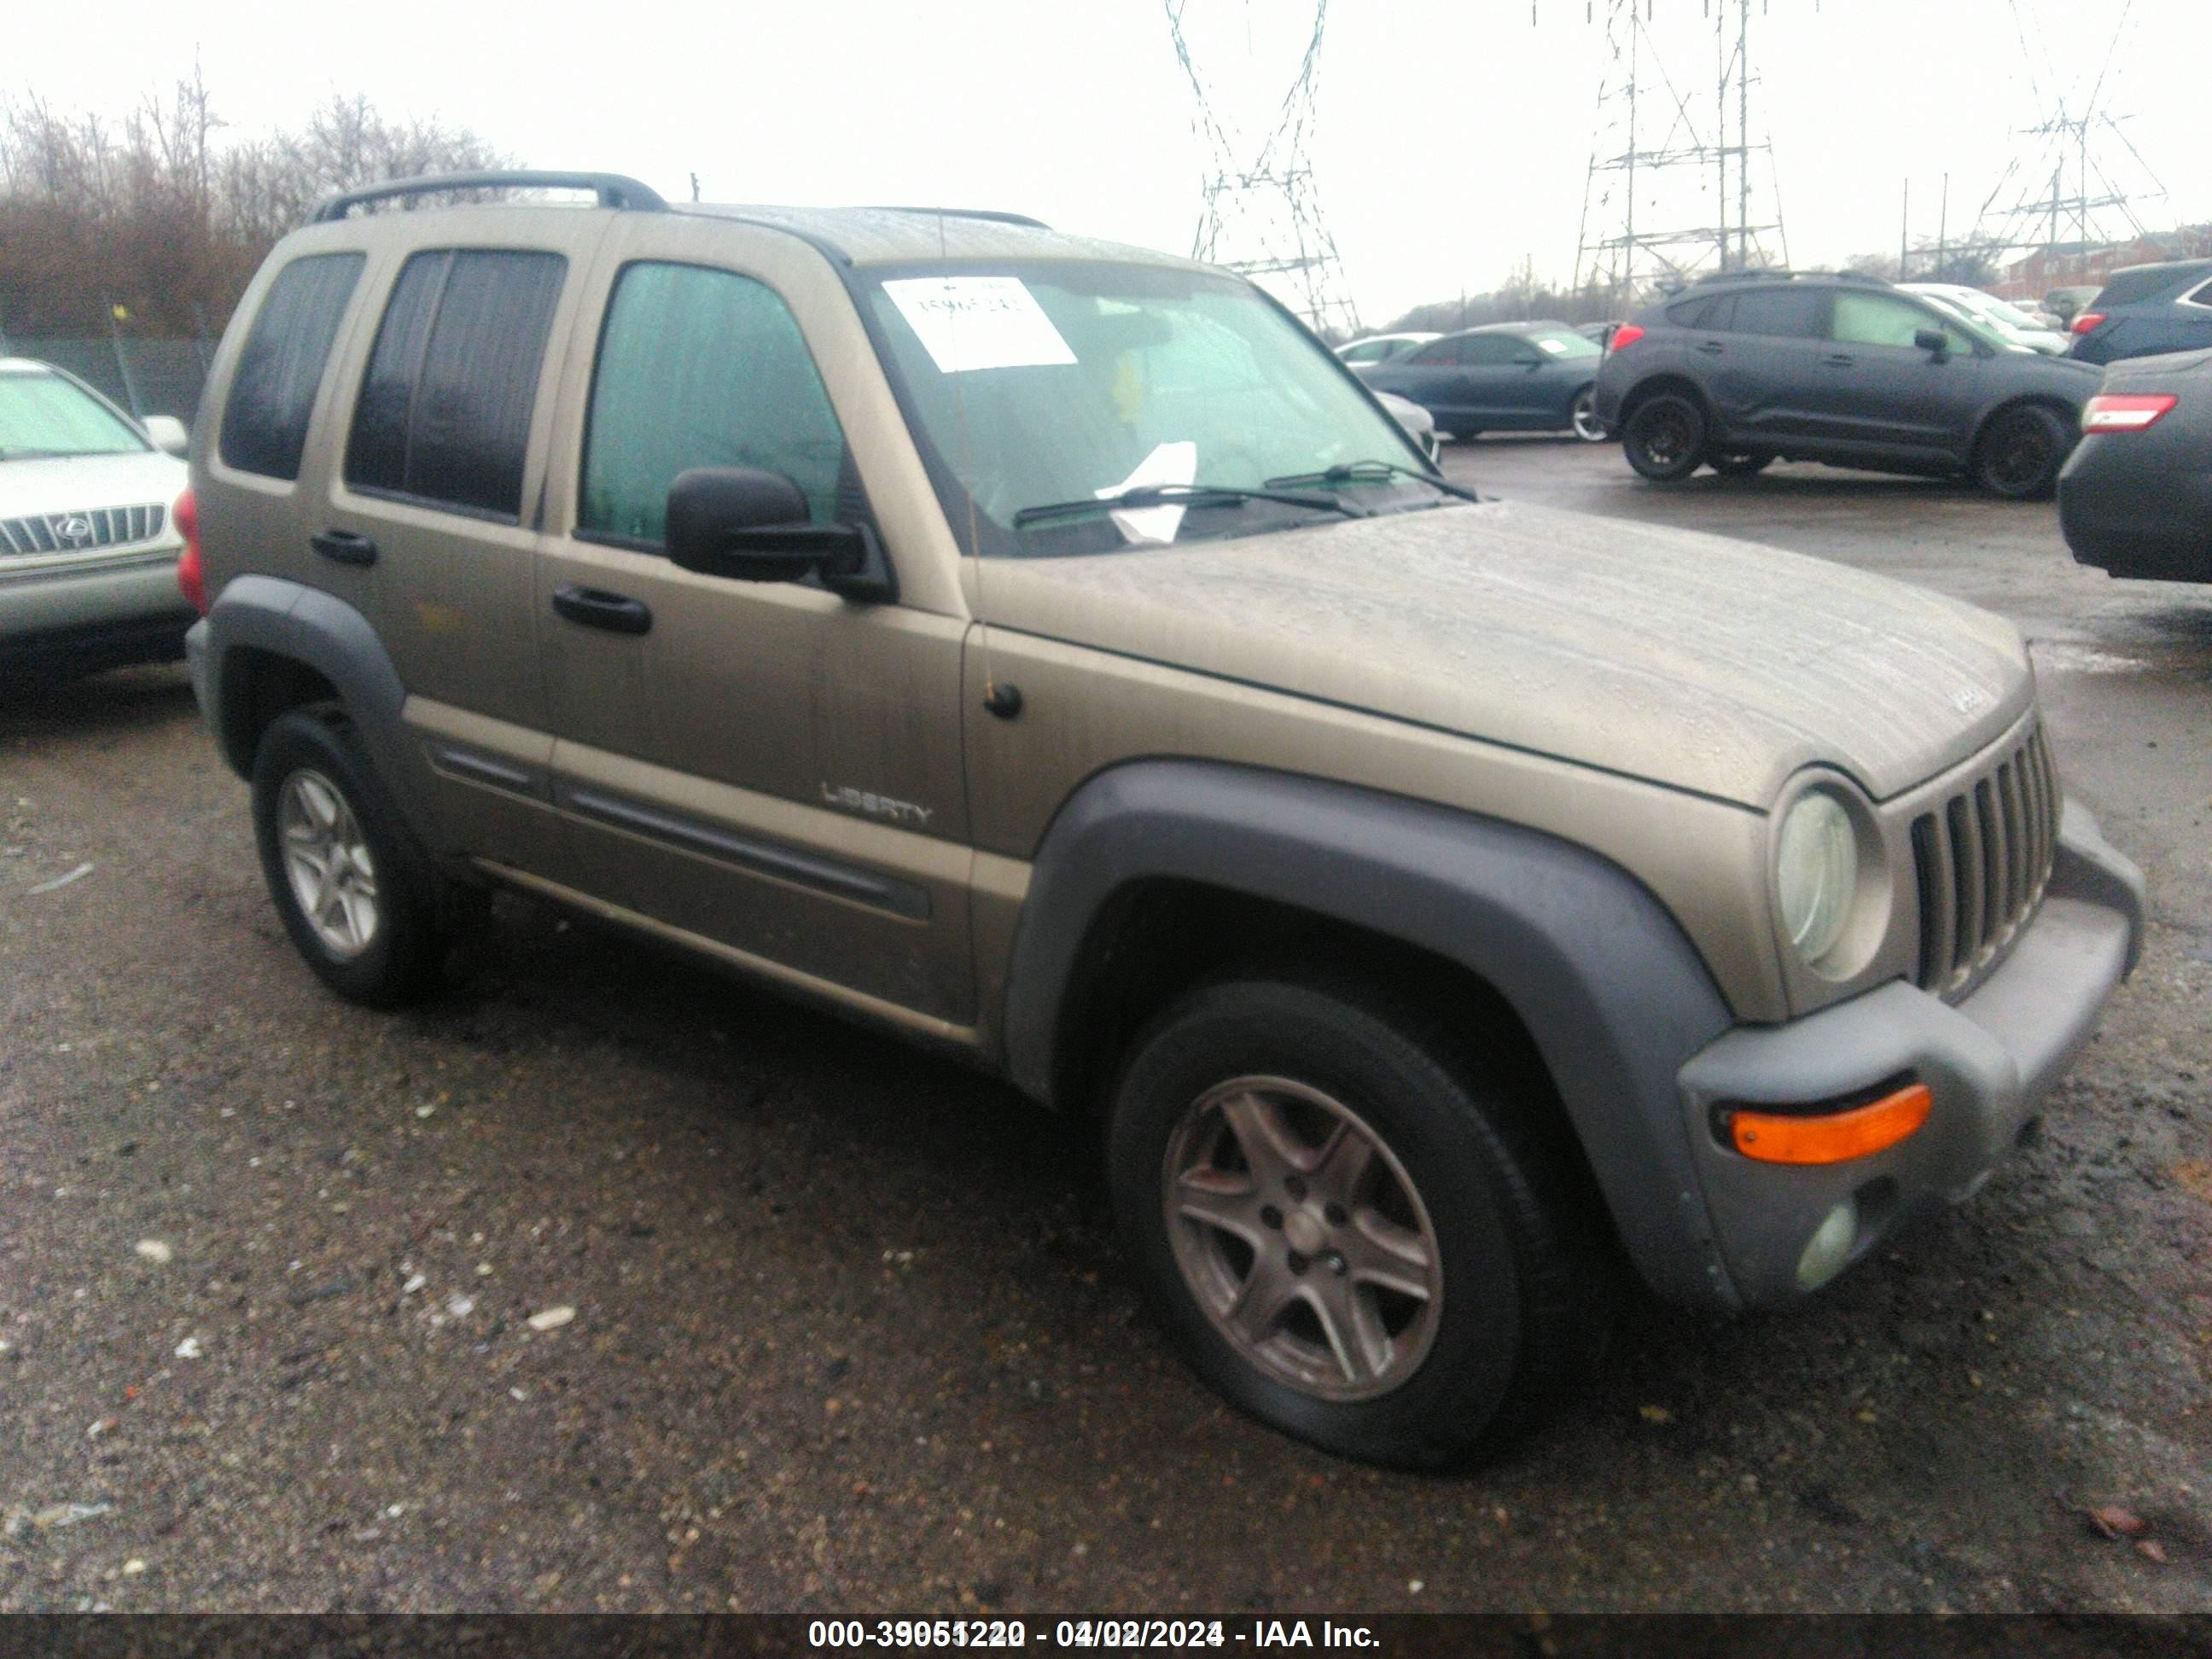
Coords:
pixel 1466 434
pixel 1348 1225
pixel 356 890
pixel 1665 438
pixel 1582 415
pixel 2019 453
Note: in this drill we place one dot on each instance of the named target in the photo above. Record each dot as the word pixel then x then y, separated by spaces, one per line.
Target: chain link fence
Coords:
pixel 146 376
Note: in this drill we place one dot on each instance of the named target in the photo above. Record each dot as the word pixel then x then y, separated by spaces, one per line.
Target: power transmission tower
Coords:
pixel 2064 194
pixel 1662 155
pixel 1261 214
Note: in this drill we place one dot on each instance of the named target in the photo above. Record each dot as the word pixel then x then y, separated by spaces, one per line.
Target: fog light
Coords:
pixel 1830 1247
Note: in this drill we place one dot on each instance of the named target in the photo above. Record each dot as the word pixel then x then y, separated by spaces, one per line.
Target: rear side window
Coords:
pixel 1796 314
pixel 444 414
pixel 1443 353
pixel 1710 313
pixel 2127 287
pixel 701 367
pixel 272 394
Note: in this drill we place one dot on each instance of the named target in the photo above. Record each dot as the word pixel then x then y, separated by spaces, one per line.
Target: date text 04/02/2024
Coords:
pixel 1168 1633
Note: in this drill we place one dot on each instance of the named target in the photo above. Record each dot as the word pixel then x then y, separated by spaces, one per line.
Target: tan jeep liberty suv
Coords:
pixel 1047 649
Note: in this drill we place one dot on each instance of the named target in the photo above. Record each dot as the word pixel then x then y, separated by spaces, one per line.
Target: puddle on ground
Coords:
pixel 2066 659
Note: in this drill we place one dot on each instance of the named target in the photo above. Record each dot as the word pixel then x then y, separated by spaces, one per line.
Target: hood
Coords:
pixel 74 483
pixel 1688 659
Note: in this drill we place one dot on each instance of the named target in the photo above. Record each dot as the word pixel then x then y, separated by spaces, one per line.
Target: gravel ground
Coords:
pixel 849 1332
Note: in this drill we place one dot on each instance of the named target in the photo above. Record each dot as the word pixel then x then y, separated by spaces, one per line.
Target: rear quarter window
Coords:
pixel 272 392
pixel 2130 287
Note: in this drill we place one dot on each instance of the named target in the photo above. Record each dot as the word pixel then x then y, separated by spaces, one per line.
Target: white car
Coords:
pixel 1381 348
pixel 88 535
pixel 1419 424
pixel 2008 322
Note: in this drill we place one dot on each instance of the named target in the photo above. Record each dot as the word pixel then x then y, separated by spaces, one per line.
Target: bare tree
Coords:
pixel 164 219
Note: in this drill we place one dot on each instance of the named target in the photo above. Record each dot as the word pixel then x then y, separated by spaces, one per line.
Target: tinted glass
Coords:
pixel 1797 314
pixel 272 393
pixel 42 414
pixel 1490 350
pixel 445 410
pixel 1710 313
pixel 701 367
pixel 2127 287
pixel 1373 351
pixel 2202 296
pixel 1885 319
pixel 1438 353
pixel 376 454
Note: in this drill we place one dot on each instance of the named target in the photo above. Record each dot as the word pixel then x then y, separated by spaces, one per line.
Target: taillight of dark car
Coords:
pixel 190 576
pixel 1624 336
pixel 2088 321
pixel 2125 411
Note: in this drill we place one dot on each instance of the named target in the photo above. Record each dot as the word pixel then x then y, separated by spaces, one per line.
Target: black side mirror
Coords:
pixel 753 527
pixel 1932 339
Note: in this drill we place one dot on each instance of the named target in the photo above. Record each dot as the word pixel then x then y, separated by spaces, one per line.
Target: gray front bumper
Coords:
pixel 1988 1061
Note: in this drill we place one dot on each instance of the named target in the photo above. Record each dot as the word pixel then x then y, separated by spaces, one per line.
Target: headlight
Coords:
pixel 1816 874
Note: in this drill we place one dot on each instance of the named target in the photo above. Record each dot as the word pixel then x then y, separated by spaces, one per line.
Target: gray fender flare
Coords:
pixel 1610 987
pixel 290 619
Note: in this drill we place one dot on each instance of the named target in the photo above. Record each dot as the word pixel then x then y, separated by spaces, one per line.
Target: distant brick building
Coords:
pixel 2069 265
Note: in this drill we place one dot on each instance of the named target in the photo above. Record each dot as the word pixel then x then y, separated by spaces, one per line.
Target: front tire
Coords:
pixel 354 891
pixel 1665 438
pixel 2021 453
pixel 1349 1227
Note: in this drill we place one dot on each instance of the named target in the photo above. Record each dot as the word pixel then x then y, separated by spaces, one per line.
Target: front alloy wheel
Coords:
pixel 2019 454
pixel 1303 1239
pixel 1351 1218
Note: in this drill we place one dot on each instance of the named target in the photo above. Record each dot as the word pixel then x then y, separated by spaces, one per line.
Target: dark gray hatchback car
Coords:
pixel 1739 371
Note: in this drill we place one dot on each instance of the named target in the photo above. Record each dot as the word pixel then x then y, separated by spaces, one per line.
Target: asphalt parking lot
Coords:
pixel 849 1331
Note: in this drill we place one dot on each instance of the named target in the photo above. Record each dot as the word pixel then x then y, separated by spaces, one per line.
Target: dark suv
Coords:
pixel 2147 310
pixel 1736 372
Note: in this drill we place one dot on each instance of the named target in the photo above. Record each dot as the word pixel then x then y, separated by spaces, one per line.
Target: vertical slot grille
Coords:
pixel 1982 858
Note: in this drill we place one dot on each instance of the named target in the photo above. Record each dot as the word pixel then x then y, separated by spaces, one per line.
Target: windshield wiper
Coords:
pixel 1191 494
pixel 30 454
pixel 1375 472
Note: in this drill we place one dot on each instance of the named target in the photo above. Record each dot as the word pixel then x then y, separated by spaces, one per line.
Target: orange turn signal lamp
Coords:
pixel 1829 1137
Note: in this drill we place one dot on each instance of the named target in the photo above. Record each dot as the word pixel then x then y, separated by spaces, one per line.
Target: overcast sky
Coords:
pixel 1452 136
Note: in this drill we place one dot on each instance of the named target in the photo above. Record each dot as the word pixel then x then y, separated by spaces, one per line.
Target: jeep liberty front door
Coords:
pixel 763 765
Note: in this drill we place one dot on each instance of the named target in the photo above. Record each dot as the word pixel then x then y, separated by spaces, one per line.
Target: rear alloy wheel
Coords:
pixel 1348 1226
pixel 2021 453
pixel 1665 438
pixel 356 892
pixel 1739 466
pixel 1581 415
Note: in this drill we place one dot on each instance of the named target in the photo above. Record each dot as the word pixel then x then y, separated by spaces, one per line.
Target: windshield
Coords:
pixel 43 415
pixel 1031 385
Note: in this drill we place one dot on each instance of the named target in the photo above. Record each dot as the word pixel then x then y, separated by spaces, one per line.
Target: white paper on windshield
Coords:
pixel 978 322
pixel 1168 464
pixel 1555 347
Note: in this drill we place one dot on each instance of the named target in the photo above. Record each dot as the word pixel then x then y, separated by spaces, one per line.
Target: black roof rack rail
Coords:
pixel 613 190
pixel 991 214
pixel 1776 274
